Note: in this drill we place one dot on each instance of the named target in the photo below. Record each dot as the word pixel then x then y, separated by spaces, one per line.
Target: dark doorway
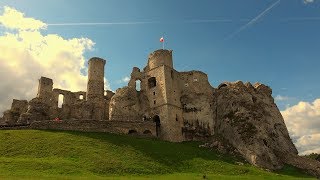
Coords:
pixel 156 119
pixel 132 132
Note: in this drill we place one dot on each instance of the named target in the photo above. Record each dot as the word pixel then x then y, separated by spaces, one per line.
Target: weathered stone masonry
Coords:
pixel 171 105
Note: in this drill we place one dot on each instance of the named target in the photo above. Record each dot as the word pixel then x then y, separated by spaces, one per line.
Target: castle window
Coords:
pixel 105 93
pixel 152 82
pixel 154 102
pixel 154 93
pixel 81 97
pixel 138 85
pixel 172 74
pixel 186 84
pixel 176 117
pixel 60 100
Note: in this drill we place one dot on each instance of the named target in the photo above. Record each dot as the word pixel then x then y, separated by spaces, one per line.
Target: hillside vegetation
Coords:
pixel 64 154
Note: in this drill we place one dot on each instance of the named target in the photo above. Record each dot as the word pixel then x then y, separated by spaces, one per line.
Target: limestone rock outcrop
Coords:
pixel 128 104
pixel 249 119
pixel 12 115
pixel 37 111
pixel 173 106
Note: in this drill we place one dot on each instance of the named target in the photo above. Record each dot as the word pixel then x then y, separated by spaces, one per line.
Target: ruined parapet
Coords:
pixel 45 88
pixel 195 82
pixel 126 103
pixel 18 107
pixel 108 94
pixel 37 111
pixel 136 75
pixel 160 57
pixel 249 119
pixel 95 86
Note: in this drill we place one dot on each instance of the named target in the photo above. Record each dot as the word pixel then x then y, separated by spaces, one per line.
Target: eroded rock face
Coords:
pixel 249 119
pixel 128 103
pixel 37 111
pixel 12 115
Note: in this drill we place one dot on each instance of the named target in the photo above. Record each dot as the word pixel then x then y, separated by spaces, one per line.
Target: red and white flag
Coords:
pixel 161 39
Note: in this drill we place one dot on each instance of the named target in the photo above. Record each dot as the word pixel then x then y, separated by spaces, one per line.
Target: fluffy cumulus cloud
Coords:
pixel 303 122
pixel 124 80
pixel 26 54
pixel 308 1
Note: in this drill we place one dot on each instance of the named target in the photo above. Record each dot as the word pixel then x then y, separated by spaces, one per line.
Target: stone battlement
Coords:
pixel 170 105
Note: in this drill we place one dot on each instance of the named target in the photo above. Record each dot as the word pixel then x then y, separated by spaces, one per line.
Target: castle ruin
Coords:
pixel 170 105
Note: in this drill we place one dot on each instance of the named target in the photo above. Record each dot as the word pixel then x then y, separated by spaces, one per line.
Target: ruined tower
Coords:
pixel 45 89
pixel 164 95
pixel 95 86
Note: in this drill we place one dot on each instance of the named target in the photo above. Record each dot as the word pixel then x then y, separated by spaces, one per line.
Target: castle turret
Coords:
pixel 160 57
pixel 164 95
pixel 95 86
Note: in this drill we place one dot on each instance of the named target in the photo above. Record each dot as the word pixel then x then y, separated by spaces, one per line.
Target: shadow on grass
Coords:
pixel 165 152
pixel 174 155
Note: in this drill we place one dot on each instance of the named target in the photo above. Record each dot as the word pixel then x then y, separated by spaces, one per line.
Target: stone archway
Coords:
pixel 132 131
pixel 156 119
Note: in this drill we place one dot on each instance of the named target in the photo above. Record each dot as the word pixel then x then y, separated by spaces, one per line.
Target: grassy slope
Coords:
pixel 61 154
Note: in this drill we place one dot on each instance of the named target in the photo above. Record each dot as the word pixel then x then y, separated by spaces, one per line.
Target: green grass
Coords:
pixel 33 154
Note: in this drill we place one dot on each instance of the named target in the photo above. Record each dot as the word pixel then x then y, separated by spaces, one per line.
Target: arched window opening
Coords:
pixel 105 93
pixel 176 117
pixel 156 119
pixel 138 85
pixel 222 85
pixel 60 100
pixel 147 132
pixel 152 82
pixel 81 97
pixel 132 131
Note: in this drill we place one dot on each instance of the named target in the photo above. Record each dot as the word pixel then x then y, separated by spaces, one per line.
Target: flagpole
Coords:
pixel 163 42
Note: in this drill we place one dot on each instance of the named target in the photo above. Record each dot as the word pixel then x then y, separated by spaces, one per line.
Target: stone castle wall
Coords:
pixel 171 105
pixel 125 127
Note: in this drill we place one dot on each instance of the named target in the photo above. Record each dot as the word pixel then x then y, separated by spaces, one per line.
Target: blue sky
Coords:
pixel 280 49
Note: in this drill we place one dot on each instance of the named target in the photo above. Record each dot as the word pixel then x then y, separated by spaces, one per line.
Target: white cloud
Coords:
pixel 124 80
pixel 26 54
pixel 281 98
pixel 303 123
pixel 14 19
pixel 308 1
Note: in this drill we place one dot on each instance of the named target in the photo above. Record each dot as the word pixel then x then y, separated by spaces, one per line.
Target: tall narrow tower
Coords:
pixel 45 90
pixel 164 95
pixel 95 86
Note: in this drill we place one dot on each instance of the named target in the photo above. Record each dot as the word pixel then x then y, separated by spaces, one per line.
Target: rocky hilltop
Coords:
pixel 169 105
pixel 247 117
